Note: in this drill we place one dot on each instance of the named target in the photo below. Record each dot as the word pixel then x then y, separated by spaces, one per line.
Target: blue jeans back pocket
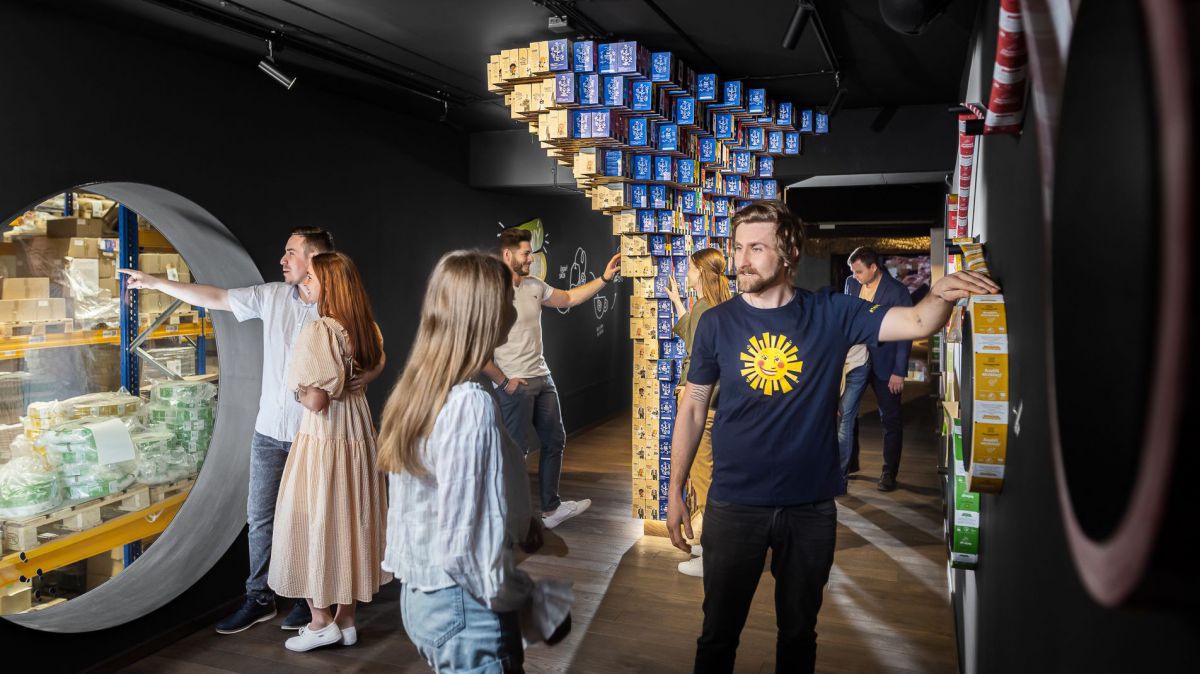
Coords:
pixel 433 618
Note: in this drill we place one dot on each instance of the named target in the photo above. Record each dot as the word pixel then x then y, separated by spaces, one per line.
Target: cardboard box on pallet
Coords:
pixel 44 309
pixel 66 228
pixel 25 288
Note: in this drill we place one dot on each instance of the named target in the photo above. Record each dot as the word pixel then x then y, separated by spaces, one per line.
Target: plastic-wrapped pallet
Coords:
pixel 12 396
pixel 186 410
pixel 71 448
pixel 114 404
pixel 27 487
pixel 41 417
pixel 159 460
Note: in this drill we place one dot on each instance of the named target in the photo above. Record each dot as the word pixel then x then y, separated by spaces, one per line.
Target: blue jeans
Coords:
pixel 455 633
pixel 537 401
pixel 856 383
pixel 267 458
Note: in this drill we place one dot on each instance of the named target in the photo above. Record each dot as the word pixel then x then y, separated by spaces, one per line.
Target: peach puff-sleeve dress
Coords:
pixel 331 515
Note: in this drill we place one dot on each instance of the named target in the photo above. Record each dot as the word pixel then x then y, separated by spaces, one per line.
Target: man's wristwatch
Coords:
pixel 503 384
pixel 607 280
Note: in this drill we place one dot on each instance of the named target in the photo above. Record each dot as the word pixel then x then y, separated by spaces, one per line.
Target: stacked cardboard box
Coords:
pixel 671 155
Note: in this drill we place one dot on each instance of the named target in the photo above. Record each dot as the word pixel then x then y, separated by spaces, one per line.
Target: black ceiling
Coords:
pixel 443 45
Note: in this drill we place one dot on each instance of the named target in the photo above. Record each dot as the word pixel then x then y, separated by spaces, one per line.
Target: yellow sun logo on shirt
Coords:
pixel 771 364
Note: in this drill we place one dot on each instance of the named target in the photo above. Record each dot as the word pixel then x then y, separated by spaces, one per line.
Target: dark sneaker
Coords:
pixel 298 617
pixel 251 613
pixel 887 482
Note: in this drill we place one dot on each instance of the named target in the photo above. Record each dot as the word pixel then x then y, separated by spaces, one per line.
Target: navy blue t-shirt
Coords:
pixel 775 437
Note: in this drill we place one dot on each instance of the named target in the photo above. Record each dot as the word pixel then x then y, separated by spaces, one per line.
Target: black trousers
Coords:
pixel 736 539
pixel 893 425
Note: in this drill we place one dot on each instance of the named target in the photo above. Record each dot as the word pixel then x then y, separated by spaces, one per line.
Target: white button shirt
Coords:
pixel 284 315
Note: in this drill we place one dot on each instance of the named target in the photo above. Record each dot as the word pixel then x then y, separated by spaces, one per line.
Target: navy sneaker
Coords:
pixel 250 614
pixel 299 616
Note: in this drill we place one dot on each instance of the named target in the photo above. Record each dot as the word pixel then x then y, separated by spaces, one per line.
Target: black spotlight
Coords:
pixel 911 17
pixel 804 12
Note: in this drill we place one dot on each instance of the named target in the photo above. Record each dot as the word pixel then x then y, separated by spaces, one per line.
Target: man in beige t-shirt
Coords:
pixel 523 382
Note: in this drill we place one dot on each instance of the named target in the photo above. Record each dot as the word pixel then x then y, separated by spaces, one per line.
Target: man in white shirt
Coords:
pixel 284 312
pixel 523 380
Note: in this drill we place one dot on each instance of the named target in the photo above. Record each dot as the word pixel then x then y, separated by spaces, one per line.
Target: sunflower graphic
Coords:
pixel 771 364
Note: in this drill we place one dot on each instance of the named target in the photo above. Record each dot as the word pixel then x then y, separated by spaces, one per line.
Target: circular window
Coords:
pixel 121 467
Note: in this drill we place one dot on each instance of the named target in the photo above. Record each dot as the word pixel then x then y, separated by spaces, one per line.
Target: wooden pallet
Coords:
pixel 26 534
pixel 36 328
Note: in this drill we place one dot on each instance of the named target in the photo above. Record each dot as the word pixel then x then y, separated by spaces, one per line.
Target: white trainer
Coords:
pixel 692 567
pixel 565 511
pixel 309 639
pixel 697 550
pixel 349 636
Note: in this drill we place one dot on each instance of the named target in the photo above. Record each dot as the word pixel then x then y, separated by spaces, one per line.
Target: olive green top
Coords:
pixel 685 327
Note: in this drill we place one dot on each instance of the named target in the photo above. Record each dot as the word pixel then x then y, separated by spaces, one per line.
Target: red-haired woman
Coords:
pixel 331 516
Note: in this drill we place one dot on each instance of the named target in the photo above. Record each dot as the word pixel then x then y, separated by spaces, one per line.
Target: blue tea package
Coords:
pixel 601 123
pixel 755 140
pixel 681 263
pixel 720 206
pixel 662 65
pixel 685 111
pixel 664 324
pixel 706 87
pixel 662 168
pixel 643 168
pixel 733 94
pixel 559 55
pixel 806 122
pixel 666 409
pixel 585 56
pixel 613 164
pixel 708 149
pixel 774 143
pixel 679 246
pixel 757 104
pixel 766 165
pixel 710 182
pixel 822 122
pixel 665 390
pixel 741 162
pixel 721 227
pixel 723 125
pixel 668 137
pixel 689 202
pixel 638 196
pixel 784 118
pixel 770 189
pixel 754 189
pixel 614 91
pixel 637 133
pixel 733 185
pixel 666 221
pixel 658 196
pixel 791 142
pixel 685 171
pixel 665 370
pixel 696 226
pixel 564 89
pixel 589 89
pixel 665 308
pixel 646 221
pixel 663 265
pixel 658 244
pixel 605 61
pixel 642 96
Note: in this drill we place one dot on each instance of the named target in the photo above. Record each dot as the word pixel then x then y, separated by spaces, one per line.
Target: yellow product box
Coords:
pixel 539 54
pixel 624 222
pixel 493 73
pixel 524 66
pixel 633 246
pixel 974 258
pixel 989 444
pixel 988 316
pixel 991 377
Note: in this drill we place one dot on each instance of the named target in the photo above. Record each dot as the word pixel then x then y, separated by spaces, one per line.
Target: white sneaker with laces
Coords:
pixel 692 567
pixel 697 550
pixel 349 636
pixel 309 639
pixel 565 511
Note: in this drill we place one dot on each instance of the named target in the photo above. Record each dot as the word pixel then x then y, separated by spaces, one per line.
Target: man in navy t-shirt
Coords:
pixel 777 352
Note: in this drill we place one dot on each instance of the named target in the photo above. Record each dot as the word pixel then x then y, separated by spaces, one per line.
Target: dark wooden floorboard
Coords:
pixel 885 606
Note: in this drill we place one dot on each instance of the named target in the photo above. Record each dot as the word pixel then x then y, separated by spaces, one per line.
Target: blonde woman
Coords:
pixel 706 276
pixel 459 496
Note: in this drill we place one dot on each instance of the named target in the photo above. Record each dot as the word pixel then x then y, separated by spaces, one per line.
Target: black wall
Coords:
pixel 87 100
pixel 1034 614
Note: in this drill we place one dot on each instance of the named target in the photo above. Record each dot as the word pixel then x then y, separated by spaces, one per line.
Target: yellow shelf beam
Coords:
pixel 81 545
pixel 17 347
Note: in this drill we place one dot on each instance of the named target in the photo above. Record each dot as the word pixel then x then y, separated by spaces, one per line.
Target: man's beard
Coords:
pixel 758 283
pixel 521 270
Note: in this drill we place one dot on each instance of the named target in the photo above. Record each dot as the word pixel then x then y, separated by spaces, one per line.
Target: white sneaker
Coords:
pixel 309 639
pixel 692 567
pixel 565 511
pixel 697 550
pixel 349 636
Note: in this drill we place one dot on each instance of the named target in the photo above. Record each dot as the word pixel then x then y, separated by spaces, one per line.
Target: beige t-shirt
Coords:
pixel 521 355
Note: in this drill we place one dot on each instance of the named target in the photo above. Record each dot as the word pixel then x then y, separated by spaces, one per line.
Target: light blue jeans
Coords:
pixel 856 383
pixel 456 634
pixel 267 458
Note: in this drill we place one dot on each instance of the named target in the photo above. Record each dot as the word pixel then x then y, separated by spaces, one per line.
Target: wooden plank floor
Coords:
pixel 885 606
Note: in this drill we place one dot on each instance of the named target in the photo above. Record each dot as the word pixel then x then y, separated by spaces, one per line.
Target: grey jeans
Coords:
pixel 267 458
pixel 537 401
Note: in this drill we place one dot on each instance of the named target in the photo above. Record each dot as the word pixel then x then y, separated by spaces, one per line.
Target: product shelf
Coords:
pixel 18 347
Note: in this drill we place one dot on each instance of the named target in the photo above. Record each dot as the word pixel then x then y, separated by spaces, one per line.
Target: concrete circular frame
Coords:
pixel 215 511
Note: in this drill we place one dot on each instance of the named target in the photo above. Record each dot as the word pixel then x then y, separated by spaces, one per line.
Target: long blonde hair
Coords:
pixel 462 321
pixel 713 284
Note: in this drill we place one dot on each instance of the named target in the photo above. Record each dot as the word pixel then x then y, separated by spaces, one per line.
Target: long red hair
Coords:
pixel 344 299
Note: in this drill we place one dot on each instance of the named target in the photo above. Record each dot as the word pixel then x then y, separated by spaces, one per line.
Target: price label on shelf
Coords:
pixel 10 354
pixel 108 334
pixel 37 339
pixel 171 328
